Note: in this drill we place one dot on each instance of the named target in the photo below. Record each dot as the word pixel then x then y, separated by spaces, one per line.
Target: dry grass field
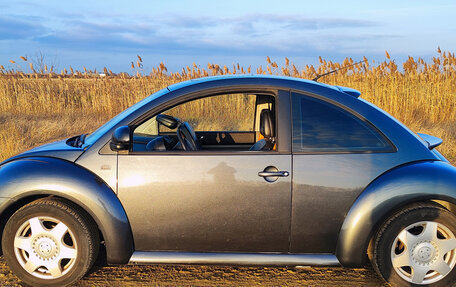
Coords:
pixel 43 105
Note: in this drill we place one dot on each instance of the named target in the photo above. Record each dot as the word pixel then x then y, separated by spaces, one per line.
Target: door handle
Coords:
pixel 273 173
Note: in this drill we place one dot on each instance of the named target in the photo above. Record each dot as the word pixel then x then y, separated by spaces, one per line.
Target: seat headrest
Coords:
pixel 266 124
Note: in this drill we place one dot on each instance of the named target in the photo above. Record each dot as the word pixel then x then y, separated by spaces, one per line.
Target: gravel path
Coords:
pixel 161 275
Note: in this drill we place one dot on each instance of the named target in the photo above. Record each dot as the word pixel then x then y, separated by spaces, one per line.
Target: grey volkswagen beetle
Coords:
pixel 314 175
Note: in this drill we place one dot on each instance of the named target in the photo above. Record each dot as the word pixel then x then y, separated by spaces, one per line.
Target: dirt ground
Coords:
pixel 161 275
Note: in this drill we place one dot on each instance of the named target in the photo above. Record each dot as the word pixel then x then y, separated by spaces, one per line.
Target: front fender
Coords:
pixel 51 176
pixel 420 181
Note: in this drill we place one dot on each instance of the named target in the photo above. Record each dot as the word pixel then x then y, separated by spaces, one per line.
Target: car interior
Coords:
pixel 245 122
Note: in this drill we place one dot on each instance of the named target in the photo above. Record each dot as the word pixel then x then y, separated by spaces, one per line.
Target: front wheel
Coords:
pixel 417 246
pixel 50 243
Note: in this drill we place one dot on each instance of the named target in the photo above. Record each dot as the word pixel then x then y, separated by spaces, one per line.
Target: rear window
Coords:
pixel 319 126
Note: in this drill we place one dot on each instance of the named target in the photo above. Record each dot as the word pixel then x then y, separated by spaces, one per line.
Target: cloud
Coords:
pixel 297 22
pixel 12 28
pixel 187 22
pixel 251 34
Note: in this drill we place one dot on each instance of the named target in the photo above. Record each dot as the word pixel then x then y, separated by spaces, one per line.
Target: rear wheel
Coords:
pixel 50 243
pixel 417 246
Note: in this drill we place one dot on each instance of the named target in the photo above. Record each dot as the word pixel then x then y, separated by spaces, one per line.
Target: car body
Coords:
pixel 317 196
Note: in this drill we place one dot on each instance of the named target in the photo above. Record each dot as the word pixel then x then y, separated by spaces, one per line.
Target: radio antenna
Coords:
pixel 337 70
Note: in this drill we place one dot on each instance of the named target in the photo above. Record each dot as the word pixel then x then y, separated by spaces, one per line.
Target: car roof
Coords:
pixel 266 80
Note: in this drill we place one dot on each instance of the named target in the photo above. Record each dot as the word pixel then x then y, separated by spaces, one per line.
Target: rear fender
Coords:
pixel 415 182
pixel 34 176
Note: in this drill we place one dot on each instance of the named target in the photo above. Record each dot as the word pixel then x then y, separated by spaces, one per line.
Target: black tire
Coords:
pixel 81 236
pixel 411 218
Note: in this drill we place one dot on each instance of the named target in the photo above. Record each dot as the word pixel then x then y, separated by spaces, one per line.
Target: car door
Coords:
pixel 336 154
pixel 207 200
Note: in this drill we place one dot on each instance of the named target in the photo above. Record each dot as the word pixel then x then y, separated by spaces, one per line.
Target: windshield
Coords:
pixel 93 137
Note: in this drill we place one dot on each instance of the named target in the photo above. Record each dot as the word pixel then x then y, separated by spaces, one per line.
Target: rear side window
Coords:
pixel 319 126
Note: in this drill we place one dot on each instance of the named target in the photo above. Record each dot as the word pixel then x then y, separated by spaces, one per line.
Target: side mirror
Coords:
pixel 120 139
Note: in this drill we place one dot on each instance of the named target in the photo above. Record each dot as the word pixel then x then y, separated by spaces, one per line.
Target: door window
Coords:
pixel 231 112
pixel 228 122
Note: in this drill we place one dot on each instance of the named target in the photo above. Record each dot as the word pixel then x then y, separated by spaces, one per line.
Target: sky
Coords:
pixel 111 34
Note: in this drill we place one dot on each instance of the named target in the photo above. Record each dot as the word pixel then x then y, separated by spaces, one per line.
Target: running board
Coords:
pixel 261 259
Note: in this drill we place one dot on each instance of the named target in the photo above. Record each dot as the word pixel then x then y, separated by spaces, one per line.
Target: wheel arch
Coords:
pixel 427 181
pixel 25 180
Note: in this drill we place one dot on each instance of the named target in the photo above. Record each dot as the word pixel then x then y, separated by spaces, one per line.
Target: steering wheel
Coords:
pixel 187 137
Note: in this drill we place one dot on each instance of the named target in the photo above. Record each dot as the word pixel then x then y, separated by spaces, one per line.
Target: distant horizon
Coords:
pixel 111 34
pixel 23 65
